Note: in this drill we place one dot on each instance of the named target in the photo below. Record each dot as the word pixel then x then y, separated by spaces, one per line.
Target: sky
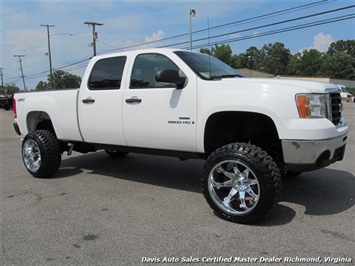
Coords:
pixel 129 25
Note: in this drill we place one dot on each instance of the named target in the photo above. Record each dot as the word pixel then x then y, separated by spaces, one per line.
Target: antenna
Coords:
pixel 208 32
pixel 209 44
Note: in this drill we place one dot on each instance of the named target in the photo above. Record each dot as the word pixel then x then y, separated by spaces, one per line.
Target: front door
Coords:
pixel 158 115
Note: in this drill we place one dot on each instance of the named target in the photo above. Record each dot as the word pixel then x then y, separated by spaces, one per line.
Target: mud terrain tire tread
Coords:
pixel 262 164
pixel 50 152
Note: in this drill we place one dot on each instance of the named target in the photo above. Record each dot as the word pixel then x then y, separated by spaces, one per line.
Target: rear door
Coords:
pixel 100 103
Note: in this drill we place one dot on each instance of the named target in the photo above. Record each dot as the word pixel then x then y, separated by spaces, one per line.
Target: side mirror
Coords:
pixel 170 76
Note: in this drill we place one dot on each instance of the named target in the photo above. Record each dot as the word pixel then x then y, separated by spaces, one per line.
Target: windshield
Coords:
pixel 206 66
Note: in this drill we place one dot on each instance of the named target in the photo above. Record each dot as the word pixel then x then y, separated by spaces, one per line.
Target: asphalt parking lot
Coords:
pixel 145 209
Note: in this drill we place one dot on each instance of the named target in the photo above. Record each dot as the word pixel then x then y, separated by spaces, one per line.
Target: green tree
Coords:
pixel 347 47
pixel 42 86
pixel 72 81
pixel 339 61
pixel 306 63
pixel 275 58
pixel 10 88
pixel 254 58
pixel 239 61
pixel 223 53
pixel 339 66
pixel 62 80
pixel 205 51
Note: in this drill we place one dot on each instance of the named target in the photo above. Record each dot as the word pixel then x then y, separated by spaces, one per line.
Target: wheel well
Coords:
pixel 39 120
pixel 228 127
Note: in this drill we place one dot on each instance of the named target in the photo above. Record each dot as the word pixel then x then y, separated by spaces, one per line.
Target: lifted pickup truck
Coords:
pixel 189 105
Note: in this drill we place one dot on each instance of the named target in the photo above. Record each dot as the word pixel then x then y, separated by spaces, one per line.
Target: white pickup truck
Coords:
pixel 189 105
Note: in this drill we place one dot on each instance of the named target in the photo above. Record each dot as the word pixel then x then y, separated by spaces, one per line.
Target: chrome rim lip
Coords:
pixel 31 155
pixel 241 190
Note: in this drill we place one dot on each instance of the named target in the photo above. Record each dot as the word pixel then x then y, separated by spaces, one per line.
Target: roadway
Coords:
pixel 130 211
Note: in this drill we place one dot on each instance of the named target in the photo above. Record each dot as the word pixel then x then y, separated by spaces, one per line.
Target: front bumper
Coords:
pixel 308 155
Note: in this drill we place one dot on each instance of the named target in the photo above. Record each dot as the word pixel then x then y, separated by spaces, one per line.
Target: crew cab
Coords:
pixel 189 105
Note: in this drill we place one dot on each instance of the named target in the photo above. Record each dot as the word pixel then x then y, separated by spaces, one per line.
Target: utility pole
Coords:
pixel 94 33
pixel 2 79
pixel 192 14
pixel 23 77
pixel 49 54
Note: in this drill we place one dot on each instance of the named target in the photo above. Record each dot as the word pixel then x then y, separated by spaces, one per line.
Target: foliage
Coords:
pixel 342 46
pixel 61 80
pixel 205 51
pixel 239 61
pixel 338 62
pixel 223 53
pixel 275 58
pixel 251 59
pixel 339 66
pixel 254 58
pixel 42 86
pixel 10 88
pixel 305 63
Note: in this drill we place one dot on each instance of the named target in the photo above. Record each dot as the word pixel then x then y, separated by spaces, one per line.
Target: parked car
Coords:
pixel 6 101
pixel 345 95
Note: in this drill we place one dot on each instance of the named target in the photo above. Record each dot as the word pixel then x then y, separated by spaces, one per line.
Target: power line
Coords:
pixel 268 15
pixel 298 27
pixel 34 75
pixel 277 23
pixel 79 64
pixel 257 18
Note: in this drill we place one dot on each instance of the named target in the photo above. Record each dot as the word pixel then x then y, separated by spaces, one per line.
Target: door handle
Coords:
pixel 88 100
pixel 134 99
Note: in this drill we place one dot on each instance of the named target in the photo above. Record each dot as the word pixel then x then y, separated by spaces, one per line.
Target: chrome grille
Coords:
pixel 335 108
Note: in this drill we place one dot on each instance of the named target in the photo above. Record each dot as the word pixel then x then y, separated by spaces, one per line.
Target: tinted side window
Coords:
pixel 107 74
pixel 146 66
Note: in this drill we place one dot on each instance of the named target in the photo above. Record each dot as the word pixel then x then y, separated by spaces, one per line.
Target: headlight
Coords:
pixel 311 105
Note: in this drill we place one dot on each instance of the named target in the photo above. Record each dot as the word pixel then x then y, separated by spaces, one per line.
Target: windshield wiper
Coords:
pixel 226 76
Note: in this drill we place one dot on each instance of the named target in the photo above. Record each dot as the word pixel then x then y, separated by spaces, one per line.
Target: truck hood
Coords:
pixel 301 86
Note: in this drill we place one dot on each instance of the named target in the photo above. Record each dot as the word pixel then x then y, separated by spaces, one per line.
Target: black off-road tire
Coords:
pixel 240 182
pixel 41 153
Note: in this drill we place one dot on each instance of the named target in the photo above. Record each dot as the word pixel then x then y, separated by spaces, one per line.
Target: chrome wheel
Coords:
pixel 31 155
pixel 41 153
pixel 234 187
pixel 240 182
